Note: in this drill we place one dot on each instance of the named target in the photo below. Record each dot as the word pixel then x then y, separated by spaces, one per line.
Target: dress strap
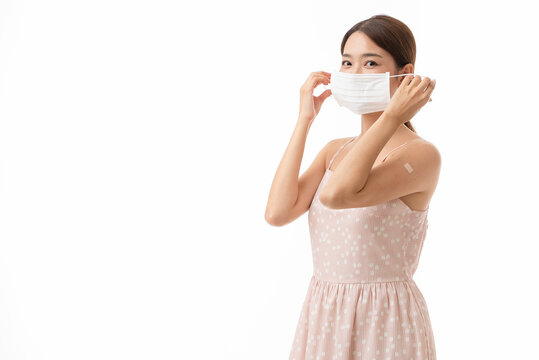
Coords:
pixel 396 149
pixel 338 151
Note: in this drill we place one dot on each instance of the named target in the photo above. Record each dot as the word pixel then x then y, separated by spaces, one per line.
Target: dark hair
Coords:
pixel 391 35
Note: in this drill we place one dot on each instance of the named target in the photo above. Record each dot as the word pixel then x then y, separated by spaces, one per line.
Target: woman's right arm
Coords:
pixel 289 196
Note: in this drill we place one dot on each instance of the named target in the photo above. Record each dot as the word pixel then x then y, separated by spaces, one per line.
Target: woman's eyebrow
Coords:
pixel 363 55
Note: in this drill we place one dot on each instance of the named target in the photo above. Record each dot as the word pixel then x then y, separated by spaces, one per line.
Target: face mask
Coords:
pixel 361 93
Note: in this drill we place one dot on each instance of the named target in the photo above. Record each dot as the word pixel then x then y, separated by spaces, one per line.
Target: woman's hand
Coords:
pixel 411 95
pixel 309 105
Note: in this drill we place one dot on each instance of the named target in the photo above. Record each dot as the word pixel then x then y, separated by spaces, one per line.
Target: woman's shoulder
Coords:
pixel 426 153
pixel 340 140
pixel 427 147
pixel 337 143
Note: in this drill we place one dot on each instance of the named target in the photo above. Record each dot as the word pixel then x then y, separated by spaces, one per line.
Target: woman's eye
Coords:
pixel 370 61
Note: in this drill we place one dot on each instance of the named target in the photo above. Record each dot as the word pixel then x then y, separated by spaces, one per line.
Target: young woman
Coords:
pixel 368 199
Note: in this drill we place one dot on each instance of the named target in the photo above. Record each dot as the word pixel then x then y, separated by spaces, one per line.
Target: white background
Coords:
pixel 139 139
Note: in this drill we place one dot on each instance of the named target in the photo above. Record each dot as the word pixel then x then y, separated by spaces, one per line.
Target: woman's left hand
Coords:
pixel 411 95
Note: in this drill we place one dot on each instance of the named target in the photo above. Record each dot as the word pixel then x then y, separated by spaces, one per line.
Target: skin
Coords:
pixel 363 179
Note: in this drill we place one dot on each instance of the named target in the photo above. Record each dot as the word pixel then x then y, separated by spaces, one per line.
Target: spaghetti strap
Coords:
pixel 338 151
pixel 396 149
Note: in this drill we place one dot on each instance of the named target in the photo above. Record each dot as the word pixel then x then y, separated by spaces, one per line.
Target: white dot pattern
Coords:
pixel 362 302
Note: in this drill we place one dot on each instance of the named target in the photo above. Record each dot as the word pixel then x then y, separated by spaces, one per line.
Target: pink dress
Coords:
pixel 362 302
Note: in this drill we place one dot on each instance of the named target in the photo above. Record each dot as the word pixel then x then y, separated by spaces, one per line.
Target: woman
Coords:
pixel 368 199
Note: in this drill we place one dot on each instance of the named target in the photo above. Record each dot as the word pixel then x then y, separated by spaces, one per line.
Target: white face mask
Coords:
pixel 361 93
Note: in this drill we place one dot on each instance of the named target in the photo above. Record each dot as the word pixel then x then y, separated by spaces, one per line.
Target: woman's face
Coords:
pixel 362 56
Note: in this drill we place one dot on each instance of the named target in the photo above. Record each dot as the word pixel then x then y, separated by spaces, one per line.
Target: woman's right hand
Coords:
pixel 309 105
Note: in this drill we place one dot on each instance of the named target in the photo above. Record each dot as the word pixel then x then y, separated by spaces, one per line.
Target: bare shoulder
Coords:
pixel 428 152
pixel 332 146
pixel 428 159
pixel 422 153
pixel 338 142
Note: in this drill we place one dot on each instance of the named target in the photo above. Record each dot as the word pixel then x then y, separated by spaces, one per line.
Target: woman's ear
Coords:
pixel 406 69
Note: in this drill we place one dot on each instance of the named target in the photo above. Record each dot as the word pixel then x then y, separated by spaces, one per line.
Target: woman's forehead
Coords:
pixel 359 44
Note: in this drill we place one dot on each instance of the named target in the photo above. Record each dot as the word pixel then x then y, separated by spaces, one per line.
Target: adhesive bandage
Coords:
pixel 408 167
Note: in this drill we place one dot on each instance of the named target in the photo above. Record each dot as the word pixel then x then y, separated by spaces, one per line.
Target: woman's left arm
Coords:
pixel 350 178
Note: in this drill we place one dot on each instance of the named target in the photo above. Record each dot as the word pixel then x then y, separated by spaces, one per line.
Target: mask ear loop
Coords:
pixel 402 75
pixel 405 75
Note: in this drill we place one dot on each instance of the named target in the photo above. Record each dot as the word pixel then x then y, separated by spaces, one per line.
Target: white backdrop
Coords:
pixel 139 139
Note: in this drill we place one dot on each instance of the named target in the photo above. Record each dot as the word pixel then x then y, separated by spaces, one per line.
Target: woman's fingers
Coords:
pixel 323 96
pixel 317 78
pixel 321 73
pixel 407 80
pixel 430 88
pixel 424 86
pixel 424 83
pixel 415 81
pixel 314 80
